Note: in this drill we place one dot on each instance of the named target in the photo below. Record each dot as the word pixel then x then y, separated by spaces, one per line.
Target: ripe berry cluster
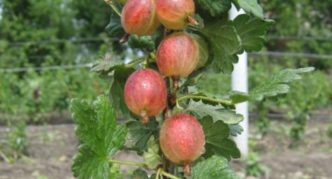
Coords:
pixel 182 138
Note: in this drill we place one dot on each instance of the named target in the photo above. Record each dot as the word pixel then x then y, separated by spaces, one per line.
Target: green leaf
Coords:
pixel 99 135
pixel 108 64
pixel 217 113
pixel 141 42
pixel 118 79
pixel 214 7
pixel 115 171
pixel 139 174
pixel 140 134
pixel 278 83
pixel 228 100
pixel 250 6
pixel 212 168
pixel 235 129
pixel 251 31
pixel 212 100
pixel 203 51
pixel 87 164
pixel 116 32
pixel 236 97
pixel 217 141
pixel 224 44
pixel 151 157
pixel 189 82
pixel 114 27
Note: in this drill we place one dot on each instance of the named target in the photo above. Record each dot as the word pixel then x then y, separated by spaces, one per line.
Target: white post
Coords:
pixel 240 83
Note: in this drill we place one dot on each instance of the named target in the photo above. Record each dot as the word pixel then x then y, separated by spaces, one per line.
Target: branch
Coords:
pixel 135 62
pixel 129 163
pixel 158 173
pixel 115 9
pixel 205 98
pixel 162 172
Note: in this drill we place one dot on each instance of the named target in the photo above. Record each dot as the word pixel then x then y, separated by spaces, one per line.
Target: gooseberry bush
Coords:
pixel 153 107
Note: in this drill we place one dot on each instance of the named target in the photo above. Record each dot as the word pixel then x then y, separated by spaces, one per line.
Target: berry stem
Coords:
pixel 174 87
pixel 166 111
pixel 168 175
pixel 158 173
pixel 144 118
pixel 186 169
pixel 146 62
pixel 175 84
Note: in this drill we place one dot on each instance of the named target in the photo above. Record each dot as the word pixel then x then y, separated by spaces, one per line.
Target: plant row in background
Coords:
pixel 35 98
pixel 45 92
pixel 30 94
pixel 179 130
pixel 292 106
pixel 38 34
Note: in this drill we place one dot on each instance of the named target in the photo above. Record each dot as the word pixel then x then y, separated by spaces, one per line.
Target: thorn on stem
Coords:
pixel 165 32
pixel 168 114
pixel 124 39
pixel 175 83
pixel 192 21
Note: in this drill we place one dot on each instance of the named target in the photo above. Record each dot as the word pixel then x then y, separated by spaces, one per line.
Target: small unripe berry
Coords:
pixel 178 55
pixel 182 139
pixel 175 14
pixel 145 93
pixel 139 17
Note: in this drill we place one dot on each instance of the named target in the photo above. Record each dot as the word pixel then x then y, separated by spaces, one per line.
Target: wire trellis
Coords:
pixel 94 39
pixel 86 65
pixel 56 41
pixel 60 67
pixel 300 38
pixel 292 54
pixel 97 39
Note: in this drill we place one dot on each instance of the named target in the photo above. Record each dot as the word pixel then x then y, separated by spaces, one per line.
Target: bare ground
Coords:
pixel 51 148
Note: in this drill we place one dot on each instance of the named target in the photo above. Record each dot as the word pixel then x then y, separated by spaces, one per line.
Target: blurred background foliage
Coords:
pixel 49 33
pixel 38 34
pixel 65 35
pixel 293 41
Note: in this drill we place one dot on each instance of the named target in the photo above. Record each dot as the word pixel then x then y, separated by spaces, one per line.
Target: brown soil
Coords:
pixel 51 148
pixel 311 158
